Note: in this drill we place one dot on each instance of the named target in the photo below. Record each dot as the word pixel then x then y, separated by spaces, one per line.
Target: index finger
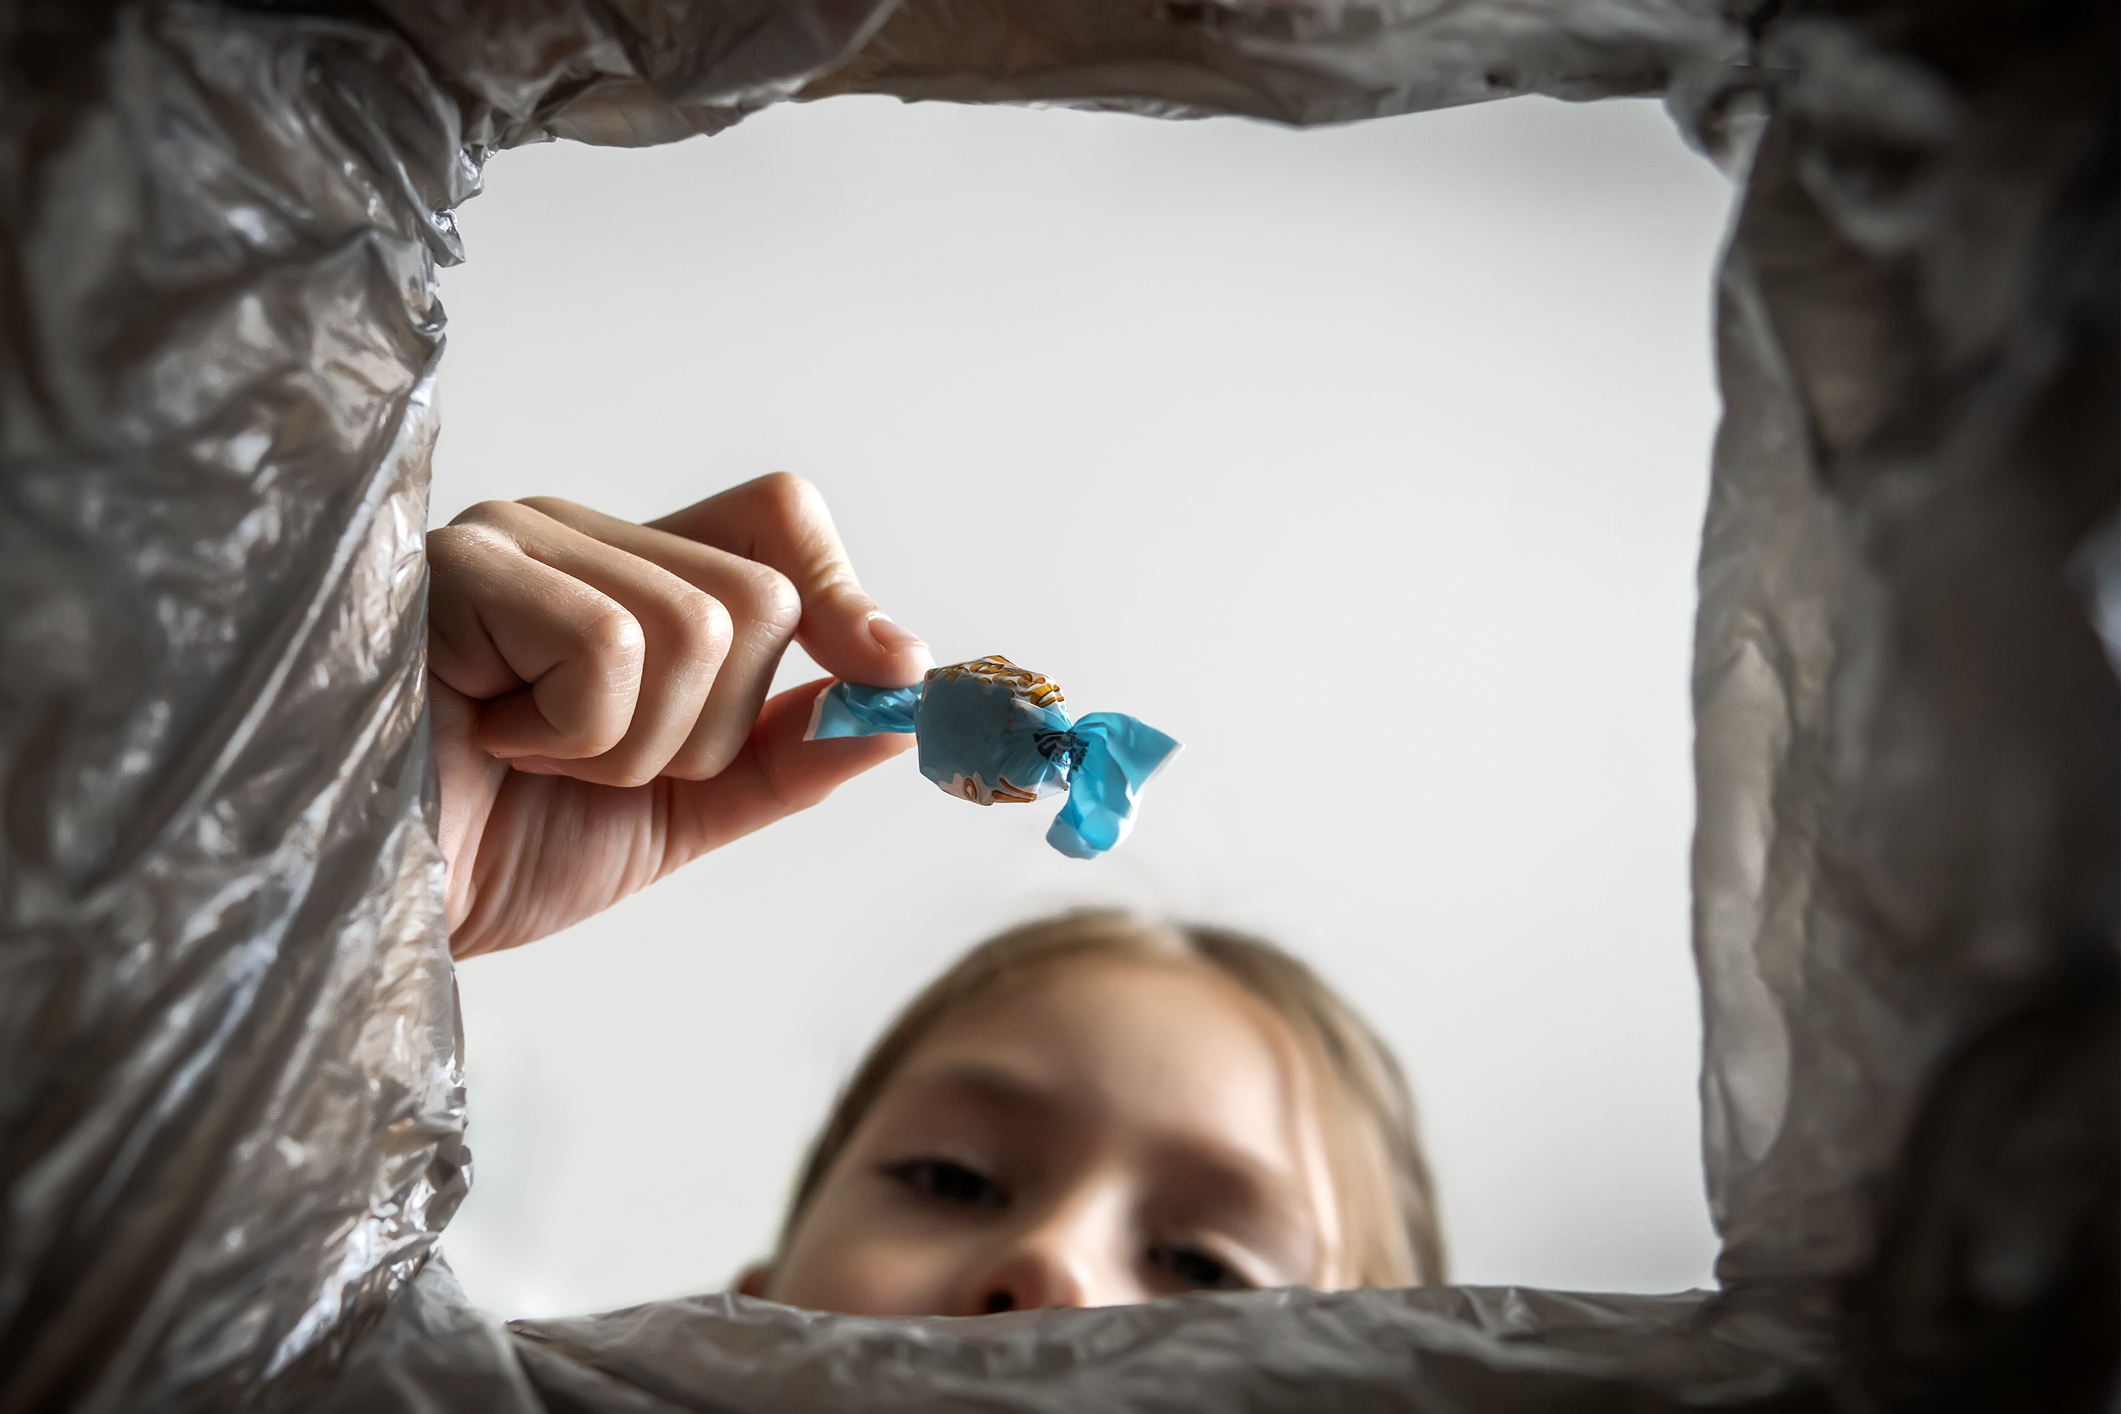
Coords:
pixel 781 521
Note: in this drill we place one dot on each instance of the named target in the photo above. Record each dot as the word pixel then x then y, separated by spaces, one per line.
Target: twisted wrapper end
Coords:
pixel 1114 758
pixel 849 709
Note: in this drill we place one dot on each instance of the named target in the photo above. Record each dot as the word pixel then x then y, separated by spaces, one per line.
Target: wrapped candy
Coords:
pixel 991 732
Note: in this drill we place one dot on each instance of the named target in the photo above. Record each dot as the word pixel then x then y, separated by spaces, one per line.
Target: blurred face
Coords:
pixel 1099 1132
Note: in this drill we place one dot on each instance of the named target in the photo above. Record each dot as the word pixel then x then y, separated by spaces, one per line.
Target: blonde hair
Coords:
pixel 1380 1176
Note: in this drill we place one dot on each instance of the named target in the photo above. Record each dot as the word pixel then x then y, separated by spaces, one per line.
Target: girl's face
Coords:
pixel 1102 1131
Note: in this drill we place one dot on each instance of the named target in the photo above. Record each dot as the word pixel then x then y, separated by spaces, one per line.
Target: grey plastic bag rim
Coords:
pixel 229 1085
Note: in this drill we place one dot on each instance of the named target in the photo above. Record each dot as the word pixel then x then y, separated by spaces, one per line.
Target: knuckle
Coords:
pixel 542 507
pixel 771 599
pixel 490 513
pixel 701 624
pixel 614 638
pixel 480 512
pixel 450 542
pixel 789 497
pixel 463 541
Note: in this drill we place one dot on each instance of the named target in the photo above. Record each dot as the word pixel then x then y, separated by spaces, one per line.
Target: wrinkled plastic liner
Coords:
pixel 231 1105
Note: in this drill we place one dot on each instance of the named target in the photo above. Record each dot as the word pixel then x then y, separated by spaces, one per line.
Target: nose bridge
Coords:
pixel 1074 1254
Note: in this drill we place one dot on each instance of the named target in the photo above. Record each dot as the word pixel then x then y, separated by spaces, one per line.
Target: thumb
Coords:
pixel 781 521
pixel 777 773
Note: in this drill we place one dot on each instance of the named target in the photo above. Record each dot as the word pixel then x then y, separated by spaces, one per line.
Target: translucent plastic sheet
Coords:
pixel 230 1106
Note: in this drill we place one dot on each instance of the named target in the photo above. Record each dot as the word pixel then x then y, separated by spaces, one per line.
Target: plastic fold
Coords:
pixel 231 1109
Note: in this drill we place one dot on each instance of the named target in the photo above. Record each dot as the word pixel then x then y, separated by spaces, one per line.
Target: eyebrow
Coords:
pixel 992 1094
pixel 991 1083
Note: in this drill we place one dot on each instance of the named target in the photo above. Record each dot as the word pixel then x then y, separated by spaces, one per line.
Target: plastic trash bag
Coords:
pixel 231 1111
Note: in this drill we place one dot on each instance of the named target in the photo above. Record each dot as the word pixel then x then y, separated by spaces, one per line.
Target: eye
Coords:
pixel 948 1181
pixel 1197 1270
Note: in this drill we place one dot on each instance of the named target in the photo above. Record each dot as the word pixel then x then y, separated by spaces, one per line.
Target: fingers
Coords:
pixel 762 607
pixel 557 662
pixel 781 521
pixel 470 780
pixel 776 774
pixel 614 653
pixel 592 661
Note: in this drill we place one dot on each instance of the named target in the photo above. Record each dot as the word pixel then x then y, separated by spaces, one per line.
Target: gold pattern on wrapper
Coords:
pixel 1035 688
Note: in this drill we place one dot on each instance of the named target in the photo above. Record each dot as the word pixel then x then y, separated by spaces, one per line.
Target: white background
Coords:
pixel 1368 462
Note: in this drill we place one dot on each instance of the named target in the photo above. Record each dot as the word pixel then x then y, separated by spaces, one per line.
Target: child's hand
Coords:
pixel 599 693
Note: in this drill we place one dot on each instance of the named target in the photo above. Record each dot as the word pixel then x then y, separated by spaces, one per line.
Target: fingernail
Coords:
pixel 892 638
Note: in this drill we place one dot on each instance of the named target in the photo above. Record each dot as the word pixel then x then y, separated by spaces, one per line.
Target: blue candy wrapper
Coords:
pixel 991 732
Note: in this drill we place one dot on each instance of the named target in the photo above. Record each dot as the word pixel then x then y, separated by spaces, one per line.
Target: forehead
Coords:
pixel 1156 1049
